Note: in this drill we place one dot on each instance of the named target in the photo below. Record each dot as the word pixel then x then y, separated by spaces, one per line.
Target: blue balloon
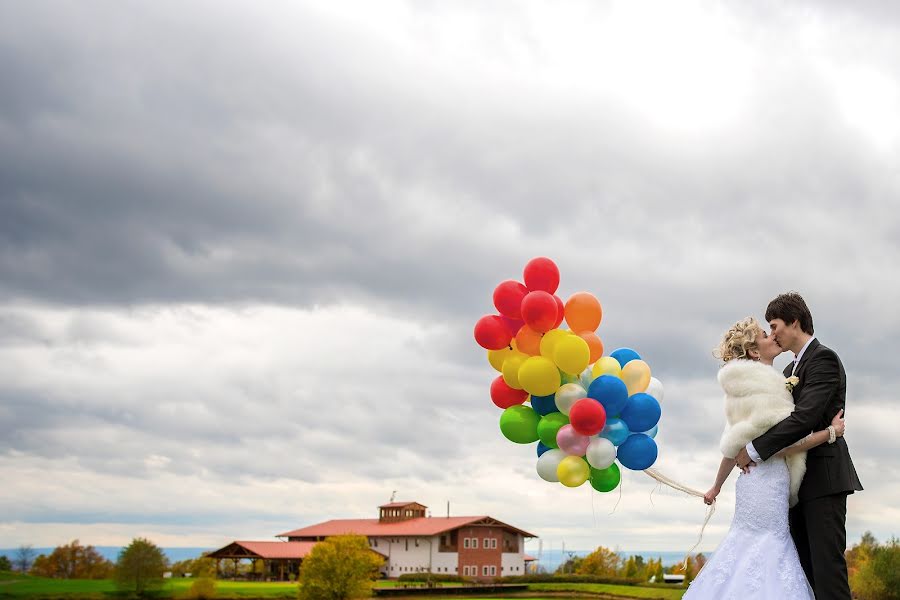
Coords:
pixel 625 355
pixel 652 432
pixel 641 413
pixel 542 447
pixel 544 405
pixel 615 431
pixel 611 392
pixel 638 452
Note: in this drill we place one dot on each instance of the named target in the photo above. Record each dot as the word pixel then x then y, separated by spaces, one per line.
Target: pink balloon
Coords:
pixel 571 442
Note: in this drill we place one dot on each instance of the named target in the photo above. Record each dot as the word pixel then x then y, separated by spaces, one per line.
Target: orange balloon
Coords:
pixel 528 341
pixel 583 312
pixel 594 343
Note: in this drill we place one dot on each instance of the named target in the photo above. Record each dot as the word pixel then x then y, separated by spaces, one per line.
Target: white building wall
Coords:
pixel 512 563
pixel 415 555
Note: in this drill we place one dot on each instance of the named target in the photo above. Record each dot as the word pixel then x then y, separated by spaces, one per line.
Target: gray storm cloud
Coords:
pixel 249 242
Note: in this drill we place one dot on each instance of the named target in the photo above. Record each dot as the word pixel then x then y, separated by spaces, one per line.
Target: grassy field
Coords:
pixel 629 591
pixel 24 586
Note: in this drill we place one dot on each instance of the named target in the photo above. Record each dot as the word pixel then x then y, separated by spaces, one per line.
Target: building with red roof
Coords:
pixel 478 547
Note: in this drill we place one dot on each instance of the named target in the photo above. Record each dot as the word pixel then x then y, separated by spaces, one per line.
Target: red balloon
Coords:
pixel 542 274
pixel 562 311
pixel 491 333
pixel 540 311
pixel 587 416
pixel 508 298
pixel 512 325
pixel 504 396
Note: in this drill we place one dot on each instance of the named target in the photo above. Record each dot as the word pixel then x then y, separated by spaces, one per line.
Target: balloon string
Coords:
pixel 621 483
pixel 690 491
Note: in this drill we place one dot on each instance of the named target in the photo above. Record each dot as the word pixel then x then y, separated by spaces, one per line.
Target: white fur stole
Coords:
pixel 756 398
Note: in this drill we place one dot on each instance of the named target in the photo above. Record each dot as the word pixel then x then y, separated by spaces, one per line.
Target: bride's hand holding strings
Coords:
pixel 710 496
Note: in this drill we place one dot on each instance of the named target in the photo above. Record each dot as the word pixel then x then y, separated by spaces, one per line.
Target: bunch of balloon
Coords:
pixel 588 413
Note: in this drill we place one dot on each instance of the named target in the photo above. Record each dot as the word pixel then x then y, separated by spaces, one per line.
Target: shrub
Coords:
pixel 437 577
pixel 203 589
pixel 546 578
pixel 339 568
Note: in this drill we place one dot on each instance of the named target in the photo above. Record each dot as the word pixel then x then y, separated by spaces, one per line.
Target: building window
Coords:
pixel 487 543
pixel 407 543
pixel 493 570
pixel 484 571
pixel 475 543
pixel 465 542
pixel 466 571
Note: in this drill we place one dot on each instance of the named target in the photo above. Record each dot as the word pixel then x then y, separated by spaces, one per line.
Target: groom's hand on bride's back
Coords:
pixel 743 461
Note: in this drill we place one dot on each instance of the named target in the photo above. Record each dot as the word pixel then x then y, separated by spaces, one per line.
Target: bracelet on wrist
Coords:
pixel 832 434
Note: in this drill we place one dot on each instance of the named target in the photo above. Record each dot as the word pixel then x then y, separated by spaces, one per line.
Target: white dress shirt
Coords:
pixel 754 455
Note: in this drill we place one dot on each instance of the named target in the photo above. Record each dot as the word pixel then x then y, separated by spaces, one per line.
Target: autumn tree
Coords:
pixel 572 564
pixel 659 574
pixel 875 573
pixel 339 568
pixel 72 561
pixel 140 566
pixel 602 562
pixel 197 567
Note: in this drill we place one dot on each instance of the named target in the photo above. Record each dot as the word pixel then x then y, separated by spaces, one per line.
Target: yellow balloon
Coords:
pixel 496 358
pixel 573 471
pixel 538 376
pixel 636 375
pixel 606 365
pixel 572 354
pixel 550 339
pixel 511 369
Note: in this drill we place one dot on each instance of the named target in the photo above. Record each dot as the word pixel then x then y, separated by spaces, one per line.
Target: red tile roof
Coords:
pixel 421 526
pixel 268 550
pixel 265 549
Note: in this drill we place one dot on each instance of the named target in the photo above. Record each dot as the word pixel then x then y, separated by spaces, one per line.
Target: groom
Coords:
pixel 818 521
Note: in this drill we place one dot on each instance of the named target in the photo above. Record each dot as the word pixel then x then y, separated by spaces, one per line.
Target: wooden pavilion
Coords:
pixel 280 559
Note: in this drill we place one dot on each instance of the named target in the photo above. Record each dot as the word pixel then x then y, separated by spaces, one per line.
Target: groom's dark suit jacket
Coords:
pixel 818 397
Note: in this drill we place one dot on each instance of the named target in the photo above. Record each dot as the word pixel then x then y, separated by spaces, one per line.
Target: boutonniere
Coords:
pixel 791 382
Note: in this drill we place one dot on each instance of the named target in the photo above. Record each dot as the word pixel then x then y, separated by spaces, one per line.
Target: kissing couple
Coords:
pixel 785 432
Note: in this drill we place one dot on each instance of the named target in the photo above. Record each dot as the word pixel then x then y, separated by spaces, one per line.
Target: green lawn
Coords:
pixel 629 591
pixel 24 586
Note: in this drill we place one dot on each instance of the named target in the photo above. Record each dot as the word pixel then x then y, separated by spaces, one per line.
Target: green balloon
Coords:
pixel 605 480
pixel 548 427
pixel 568 377
pixel 519 424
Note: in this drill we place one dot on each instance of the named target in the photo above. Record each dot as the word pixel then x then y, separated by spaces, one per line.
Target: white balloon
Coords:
pixel 587 376
pixel 655 389
pixel 547 464
pixel 567 395
pixel 601 453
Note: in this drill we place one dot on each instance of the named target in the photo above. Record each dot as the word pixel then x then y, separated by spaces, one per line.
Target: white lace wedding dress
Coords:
pixel 757 559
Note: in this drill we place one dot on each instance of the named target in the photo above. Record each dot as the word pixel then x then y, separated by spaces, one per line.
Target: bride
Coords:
pixel 757 558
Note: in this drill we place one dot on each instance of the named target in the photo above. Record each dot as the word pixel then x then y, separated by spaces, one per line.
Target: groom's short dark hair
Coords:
pixel 791 307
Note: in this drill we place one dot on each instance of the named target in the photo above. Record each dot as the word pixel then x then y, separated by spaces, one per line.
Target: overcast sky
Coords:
pixel 243 246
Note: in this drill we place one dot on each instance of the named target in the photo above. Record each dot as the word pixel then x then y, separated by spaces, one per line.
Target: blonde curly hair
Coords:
pixel 739 340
